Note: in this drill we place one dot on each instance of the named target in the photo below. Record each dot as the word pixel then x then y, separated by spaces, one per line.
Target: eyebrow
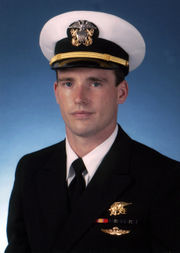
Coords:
pixel 101 79
pixel 65 79
pixel 91 78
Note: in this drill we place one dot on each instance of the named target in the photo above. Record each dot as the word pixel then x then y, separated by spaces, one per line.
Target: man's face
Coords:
pixel 88 100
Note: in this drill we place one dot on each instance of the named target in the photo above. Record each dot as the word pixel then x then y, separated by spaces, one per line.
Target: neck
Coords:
pixel 82 145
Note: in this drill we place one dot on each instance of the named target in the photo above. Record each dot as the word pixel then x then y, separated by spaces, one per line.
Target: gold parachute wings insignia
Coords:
pixel 115 231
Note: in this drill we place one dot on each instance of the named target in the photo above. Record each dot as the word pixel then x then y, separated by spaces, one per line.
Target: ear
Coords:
pixel 122 92
pixel 56 91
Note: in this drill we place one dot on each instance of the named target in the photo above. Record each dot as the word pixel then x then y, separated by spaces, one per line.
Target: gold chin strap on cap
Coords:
pixel 92 55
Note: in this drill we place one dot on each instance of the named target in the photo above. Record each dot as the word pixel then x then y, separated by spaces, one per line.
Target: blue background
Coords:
pixel 29 115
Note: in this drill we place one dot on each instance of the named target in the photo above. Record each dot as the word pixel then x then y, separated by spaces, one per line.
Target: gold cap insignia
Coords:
pixel 118 208
pixel 82 32
pixel 115 231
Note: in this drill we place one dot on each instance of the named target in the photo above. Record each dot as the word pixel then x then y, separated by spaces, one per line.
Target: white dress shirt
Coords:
pixel 92 160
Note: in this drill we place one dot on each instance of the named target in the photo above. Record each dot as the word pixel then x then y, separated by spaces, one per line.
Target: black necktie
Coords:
pixel 77 186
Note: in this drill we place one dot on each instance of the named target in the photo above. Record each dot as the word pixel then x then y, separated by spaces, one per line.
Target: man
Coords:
pixel 99 190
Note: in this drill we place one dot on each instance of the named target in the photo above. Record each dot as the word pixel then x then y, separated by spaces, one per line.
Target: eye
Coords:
pixel 67 84
pixel 96 84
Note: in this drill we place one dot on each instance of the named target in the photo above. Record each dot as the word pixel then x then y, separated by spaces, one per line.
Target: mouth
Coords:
pixel 81 114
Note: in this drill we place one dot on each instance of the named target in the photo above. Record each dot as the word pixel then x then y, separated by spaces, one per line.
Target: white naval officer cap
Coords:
pixel 91 39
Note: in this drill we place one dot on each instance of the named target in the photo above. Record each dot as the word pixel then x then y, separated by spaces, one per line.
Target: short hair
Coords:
pixel 119 75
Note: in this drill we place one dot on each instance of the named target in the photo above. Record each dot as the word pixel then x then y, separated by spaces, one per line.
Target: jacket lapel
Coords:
pixel 52 191
pixel 109 182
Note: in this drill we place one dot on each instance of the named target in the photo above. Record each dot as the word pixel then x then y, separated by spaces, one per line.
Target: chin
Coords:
pixel 83 131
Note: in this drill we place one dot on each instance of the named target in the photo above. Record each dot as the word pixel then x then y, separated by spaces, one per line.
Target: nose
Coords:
pixel 81 95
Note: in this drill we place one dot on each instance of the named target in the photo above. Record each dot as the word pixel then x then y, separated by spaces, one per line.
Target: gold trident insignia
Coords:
pixel 115 231
pixel 118 208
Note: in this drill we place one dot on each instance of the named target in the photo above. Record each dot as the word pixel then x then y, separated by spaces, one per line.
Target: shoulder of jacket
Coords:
pixel 42 155
pixel 153 158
